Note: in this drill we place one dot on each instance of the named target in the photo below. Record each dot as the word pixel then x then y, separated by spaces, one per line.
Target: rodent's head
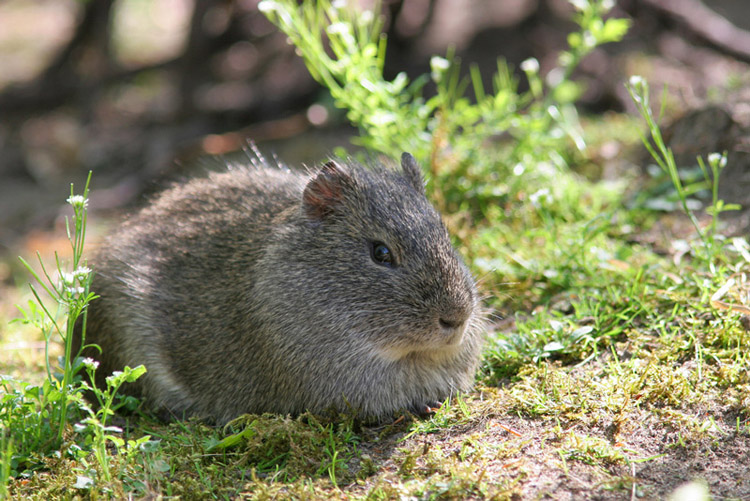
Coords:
pixel 371 257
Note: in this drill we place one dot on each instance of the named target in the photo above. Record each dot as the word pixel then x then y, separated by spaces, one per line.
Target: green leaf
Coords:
pixel 568 92
pixel 553 346
pixel 614 30
pixel 575 40
pixel 133 374
pixel 235 439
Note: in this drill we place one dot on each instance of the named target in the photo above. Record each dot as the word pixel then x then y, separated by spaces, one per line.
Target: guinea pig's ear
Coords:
pixel 325 190
pixel 413 172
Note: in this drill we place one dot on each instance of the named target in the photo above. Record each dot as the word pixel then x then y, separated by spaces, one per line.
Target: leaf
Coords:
pixel 582 331
pixel 133 374
pixel 83 482
pixel 556 325
pixel 613 30
pixel 553 346
pixel 234 439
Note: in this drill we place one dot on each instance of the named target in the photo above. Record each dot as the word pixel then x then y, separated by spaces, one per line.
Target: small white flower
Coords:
pixel 267 6
pixel 530 65
pixel 589 40
pixel 638 87
pixel 343 30
pixel 78 201
pixel 555 76
pixel 717 159
pixel 75 290
pixel 82 272
pixel 636 80
pixel 338 4
pixel 579 4
pixel 366 17
pixel 90 363
pixel 540 197
pixel 439 65
pixel 338 29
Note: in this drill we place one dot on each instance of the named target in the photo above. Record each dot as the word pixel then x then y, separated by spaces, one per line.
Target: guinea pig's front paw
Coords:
pixel 426 409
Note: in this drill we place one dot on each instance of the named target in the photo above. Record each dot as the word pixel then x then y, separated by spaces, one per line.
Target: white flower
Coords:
pixel 638 88
pixel 542 196
pixel 90 363
pixel 338 28
pixel 717 159
pixel 78 201
pixel 343 30
pixel 70 280
pixel 267 6
pixel 530 65
pixel 82 272
pixel 439 65
pixel 636 80
pixel 589 40
pixel 366 17
pixel 579 4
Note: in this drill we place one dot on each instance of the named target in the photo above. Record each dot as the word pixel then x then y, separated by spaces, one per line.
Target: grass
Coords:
pixel 613 368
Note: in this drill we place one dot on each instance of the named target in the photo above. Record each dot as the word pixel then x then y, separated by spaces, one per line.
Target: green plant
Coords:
pixel 71 294
pixel 340 447
pixel 288 447
pixel 444 417
pixel 638 89
pixel 34 419
pixel 97 420
pixel 345 50
pixel 6 455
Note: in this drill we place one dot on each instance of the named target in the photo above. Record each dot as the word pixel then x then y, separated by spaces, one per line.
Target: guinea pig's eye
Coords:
pixel 381 254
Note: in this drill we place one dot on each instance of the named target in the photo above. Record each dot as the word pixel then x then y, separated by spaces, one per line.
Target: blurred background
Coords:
pixel 136 90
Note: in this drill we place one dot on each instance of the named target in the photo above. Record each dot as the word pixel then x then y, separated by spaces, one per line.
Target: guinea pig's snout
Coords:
pixel 452 325
pixel 451 322
pixel 454 303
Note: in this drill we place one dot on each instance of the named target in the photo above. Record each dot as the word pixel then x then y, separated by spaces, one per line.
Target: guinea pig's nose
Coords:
pixel 450 323
pixel 454 314
pixel 452 327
